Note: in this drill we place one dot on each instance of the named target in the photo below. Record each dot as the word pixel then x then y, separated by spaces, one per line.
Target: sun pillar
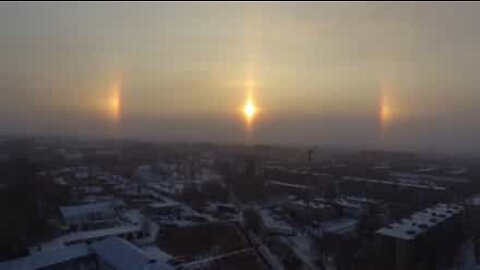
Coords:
pixel 249 111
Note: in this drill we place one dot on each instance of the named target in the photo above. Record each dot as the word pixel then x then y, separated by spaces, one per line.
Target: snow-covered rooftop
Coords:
pixel 420 222
pixel 117 253
pixel 399 183
pixel 84 236
pixel 47 258
pixel 82 211
pixel 120 254
pixel 285 184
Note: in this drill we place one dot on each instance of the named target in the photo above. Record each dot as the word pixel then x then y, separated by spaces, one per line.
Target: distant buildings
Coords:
pixel 281 180
pixel 396 191
pixel 427 178
pixel 394 183
pixel 175 179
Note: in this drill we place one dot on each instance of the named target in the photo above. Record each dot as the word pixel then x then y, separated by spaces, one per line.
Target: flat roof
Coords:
pixel 116 252
pixel 94 234
pixel 420 222
pixel 285 184
pixel 399 183
pixel 75 211
pixel 47 258
pixel 121 254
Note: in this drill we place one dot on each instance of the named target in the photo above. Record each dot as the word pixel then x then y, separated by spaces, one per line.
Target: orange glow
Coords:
pixel 249 109
pixel 386 110
pixel 114 102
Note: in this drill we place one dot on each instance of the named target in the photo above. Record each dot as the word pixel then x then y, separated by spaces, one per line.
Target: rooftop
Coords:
pixel 122 255
pixel 420 222
pixel 92 235
pixel 117 253
pixel 285 184
pixel 80 211
pixel 430 186
pixel 47 258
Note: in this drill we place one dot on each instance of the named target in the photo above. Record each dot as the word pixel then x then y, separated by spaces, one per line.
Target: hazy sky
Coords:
pixel 395 75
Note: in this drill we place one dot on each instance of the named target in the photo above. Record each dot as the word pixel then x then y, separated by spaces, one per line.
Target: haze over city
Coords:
pixel 367 75
pixel 239 135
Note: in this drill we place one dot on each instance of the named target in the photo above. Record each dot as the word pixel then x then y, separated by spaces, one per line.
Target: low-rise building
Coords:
pixel 112 253
pixel 80 217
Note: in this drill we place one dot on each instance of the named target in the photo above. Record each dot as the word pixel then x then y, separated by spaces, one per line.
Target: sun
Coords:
pixel 249 110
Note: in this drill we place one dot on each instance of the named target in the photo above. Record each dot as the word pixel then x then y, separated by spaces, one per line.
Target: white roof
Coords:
pixel 79 211
pixel 420 222
pixel 399 183
pixel 94 234
pixel 47 258
pixel 61 255
pixel 122 255
pixel 430 177
pixel 285 184
pixel 118 253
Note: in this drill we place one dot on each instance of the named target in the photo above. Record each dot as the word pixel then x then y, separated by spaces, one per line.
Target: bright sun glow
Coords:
pixel 114 101
pixel 249 110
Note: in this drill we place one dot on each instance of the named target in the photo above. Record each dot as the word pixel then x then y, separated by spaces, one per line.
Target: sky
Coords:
pixel 361 74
